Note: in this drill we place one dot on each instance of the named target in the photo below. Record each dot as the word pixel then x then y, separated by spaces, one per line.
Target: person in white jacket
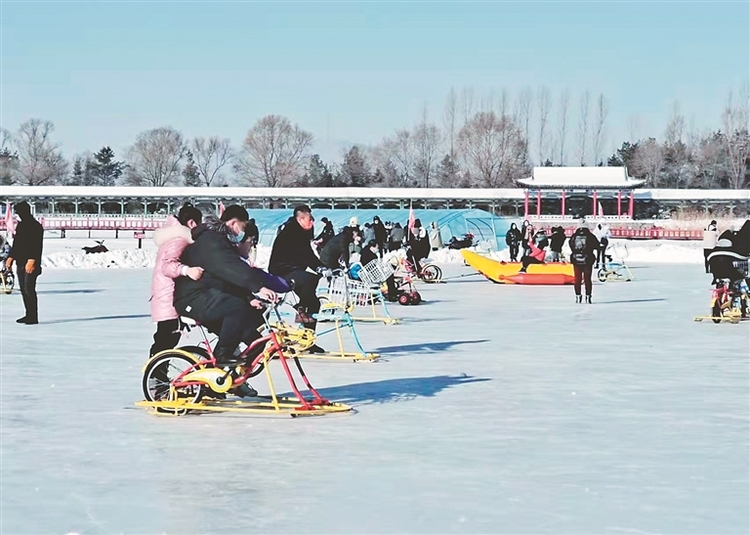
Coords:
pixel 603 234
pixel 710 234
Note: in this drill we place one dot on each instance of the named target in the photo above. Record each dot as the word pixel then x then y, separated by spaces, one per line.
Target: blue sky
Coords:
pixel 354 72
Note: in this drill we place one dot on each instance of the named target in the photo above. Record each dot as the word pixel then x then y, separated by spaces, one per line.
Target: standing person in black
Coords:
pixel 326 234
pixel 513 240
pixel 252 238
pixel 27 253
pixel 583 247
pixel 291 257
pixel 556 242
pixel 381 235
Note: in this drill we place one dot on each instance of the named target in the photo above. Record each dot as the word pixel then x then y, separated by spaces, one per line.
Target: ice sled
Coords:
pixel 551 273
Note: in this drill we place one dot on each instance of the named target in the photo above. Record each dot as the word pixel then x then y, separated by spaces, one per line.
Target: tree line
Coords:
pixel 478 142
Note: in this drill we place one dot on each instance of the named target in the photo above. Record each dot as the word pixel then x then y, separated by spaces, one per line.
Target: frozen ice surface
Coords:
pixel 495 409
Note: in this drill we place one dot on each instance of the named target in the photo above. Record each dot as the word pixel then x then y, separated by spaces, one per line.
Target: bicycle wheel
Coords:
pixel 431 273
pixel 602 275
pixel 160 373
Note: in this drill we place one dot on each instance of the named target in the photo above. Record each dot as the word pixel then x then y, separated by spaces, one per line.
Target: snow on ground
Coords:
pixel 494 409
pixel 68 253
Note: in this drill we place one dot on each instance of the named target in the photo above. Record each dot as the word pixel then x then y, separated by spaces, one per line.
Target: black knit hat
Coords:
pixel 235 211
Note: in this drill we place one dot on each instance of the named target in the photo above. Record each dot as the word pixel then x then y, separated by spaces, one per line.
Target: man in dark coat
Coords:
pixel 583 247
pixel 27 253
pixel 222 299
pixel 335 253
pixel 291 256
pixel 513 240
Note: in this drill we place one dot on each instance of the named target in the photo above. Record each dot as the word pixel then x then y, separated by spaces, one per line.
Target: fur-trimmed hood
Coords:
pixel 172 229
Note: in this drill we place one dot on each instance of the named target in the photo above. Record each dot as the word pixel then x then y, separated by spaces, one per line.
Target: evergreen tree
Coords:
pixel 77 178
pixel 190 173
pixel 355 171
pixel 624 155
pixel 105 170
pixel 448 173
pixel 8 167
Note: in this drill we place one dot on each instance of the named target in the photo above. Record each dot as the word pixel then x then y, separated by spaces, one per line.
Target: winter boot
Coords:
pixel 578 298
pixel 244 391
pixel 588 299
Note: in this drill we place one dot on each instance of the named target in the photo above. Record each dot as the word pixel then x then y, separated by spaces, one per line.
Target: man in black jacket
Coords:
pixel 222 299
pixel 27 253
pixel 583 247
pixel 336 251
pixel 291 257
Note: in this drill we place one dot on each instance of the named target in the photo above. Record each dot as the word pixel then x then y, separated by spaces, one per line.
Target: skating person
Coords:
pixel 710 235
pixel 556 242
pixel 536 256
pixel 602 234
pixel 513 240
pixel 335 254
pixel 27 253
pixel 171 240
pixel 291 257
pixel 583 247
pixel 370 254
pixel 222 299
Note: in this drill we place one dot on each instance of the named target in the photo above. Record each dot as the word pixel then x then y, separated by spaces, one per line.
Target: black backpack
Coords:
pixel 578 248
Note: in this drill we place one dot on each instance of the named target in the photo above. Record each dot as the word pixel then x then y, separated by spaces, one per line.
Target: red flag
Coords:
pixel 411 220
pixel 221 208
pixel 10 221
pixel 601 210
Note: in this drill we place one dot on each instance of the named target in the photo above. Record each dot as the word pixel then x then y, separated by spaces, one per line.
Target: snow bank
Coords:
pixel 66 255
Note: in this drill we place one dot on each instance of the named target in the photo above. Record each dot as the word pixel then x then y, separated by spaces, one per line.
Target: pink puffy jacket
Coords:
pixel 171 239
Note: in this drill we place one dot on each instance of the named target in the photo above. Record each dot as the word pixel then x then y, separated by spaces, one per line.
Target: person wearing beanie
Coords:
pixel 27 253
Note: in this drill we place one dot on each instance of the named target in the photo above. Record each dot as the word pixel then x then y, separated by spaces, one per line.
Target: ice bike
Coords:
pixel 729 302
pixel 427 272
pixel 187 379
pixel 614 271
pixel 8 280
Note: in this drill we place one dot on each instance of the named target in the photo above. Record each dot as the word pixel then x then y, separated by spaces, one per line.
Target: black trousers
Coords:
pixel 227 315
pixel 513 252
pixel 601 253
pixel 27 284
pixel 305 284
pixel 526 261
pixel 167 336
pixel 582 274
pixel 706 252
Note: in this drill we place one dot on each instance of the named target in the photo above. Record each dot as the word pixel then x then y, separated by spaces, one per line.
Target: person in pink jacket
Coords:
pixel 171 239
pixel 536 256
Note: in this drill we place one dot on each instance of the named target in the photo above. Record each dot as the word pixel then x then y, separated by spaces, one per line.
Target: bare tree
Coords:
pixel 274 153
pixel 737 137
pixel 467 103
pixel 210 156
pixel 583 126
pixel 562 122
pixel 427 141
pixel 544 103
pixel 450 121
pixel 648 161
pixel 675 126
pixel 494 150
pixel 635 127
pixel 600 128
pixel 40 161
pixel 402 150
pixel 503 102
pixel 155 157
pixel 525 99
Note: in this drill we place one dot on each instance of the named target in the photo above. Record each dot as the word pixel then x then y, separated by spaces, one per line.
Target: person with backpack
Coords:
pixel 583 247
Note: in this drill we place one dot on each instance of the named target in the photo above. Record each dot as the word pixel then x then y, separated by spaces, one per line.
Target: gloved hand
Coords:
pixel 322 270
pixel 9 263
pixel 30 265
